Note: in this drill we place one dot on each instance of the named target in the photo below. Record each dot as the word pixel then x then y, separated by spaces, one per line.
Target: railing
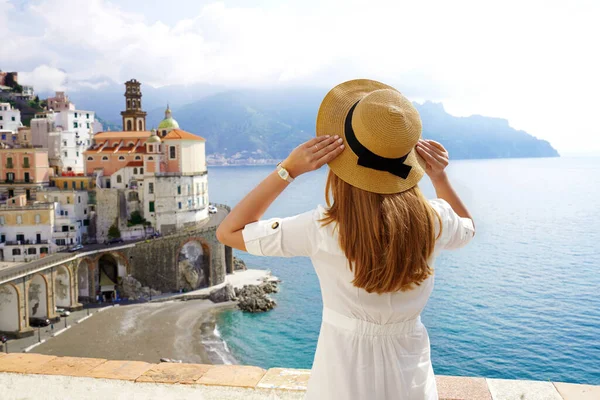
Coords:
pixel 34 206
pixel 26 165
pixel 24 242
pixel 10 165
pixel 18 181
pixel 202 173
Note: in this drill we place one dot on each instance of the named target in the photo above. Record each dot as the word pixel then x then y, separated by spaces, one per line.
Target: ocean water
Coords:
pixel 522 301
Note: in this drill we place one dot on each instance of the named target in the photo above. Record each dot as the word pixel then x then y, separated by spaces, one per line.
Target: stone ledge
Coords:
pixel 250 382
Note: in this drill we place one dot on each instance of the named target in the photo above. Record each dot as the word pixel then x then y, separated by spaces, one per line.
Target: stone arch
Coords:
pixel 193 260
pixel 10 308
pixel 84 272
pixel 112 268
pixel 37 297
pixel 62 287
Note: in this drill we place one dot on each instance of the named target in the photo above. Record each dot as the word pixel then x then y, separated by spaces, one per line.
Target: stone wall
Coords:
pixel 107 211
pixel 155 263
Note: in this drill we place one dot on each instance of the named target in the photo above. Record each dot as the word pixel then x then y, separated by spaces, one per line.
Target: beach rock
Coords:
pixel 239 265
pixel 223 294
pixel 269 287
pixel 132 289
pixel 254 299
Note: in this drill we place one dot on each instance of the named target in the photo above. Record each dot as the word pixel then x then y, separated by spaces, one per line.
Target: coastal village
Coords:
pixel 90 216
pixel 65 182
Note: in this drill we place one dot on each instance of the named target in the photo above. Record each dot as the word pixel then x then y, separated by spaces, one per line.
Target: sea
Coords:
pixel 521 301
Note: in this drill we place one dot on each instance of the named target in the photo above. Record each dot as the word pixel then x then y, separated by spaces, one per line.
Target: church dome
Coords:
pixel 168 123
pixel 153 137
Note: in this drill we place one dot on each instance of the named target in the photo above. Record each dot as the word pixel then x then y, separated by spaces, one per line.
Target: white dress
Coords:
pixel 371 346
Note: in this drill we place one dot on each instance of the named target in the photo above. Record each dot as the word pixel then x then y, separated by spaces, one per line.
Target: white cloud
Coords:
pixel 532 62
pixel 44 78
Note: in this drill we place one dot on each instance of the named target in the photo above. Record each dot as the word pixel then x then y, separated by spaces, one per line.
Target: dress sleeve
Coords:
pixel 283 237
pixel 457 232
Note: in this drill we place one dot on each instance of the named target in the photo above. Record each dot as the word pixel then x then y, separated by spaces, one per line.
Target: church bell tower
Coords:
pixel 134 119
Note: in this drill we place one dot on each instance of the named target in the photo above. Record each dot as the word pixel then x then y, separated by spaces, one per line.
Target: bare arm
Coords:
pixel 307 157
pixel 436 157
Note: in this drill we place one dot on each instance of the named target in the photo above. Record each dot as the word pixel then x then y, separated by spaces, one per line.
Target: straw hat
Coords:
pixel 380 128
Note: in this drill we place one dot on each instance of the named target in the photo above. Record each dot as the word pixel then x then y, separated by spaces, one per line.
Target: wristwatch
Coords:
pixel 284 174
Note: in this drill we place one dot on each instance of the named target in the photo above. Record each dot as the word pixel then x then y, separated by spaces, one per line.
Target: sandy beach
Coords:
pixel 178 329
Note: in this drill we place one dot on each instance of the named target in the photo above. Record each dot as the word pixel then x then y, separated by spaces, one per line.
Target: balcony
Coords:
pixel 24 242
pixel 10 165
pixel 26 165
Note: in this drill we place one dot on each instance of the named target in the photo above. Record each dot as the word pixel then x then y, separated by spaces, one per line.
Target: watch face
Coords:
pixel 283 173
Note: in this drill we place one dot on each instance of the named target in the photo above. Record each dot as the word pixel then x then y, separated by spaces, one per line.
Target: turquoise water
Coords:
pixel 521 301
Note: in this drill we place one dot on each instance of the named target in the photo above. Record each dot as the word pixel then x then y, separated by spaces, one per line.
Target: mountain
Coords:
pixel 273 122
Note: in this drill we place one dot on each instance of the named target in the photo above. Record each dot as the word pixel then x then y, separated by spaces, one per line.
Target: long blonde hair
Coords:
pixel 387 238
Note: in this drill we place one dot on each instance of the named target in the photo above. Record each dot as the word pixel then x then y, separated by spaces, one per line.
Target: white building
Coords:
pixel 71 219
pixel 66 135
pixel 10 119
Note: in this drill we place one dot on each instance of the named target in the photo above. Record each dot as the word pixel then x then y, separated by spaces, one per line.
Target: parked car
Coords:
pixel 62 312
pixel 212 209
pixel 114 241
pixel 75 248
pixel 38 322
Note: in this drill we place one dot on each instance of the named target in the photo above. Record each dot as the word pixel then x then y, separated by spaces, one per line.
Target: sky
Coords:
pixel 535 63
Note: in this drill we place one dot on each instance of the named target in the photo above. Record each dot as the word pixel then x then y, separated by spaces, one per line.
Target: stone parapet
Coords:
pixel 27 376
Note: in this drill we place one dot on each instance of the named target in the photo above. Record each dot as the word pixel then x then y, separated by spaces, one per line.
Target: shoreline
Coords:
pixel 181 328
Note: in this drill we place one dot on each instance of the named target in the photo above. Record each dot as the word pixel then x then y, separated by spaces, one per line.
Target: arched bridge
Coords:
pixel 185 261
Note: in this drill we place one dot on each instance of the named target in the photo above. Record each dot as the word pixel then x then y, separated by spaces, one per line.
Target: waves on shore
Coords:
pixel 216 348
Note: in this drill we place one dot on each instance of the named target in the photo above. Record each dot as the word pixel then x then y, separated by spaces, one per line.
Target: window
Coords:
pixel 66 154
pixel 178 189
pixel 121 158
pixel 88 125
pixel 68 200
pixel 139 125
pixel 151 206
pixel 150 158
pixel 150 188
pixel 87 116
pixel 25 162
pixel 31 250
pixel 60 242
pixel 142 171
pixel 150 148
pixel 19 219
pixel 189 203
pixel 90 158
pixel 135 171
pixel 2 221
pixel 3 135
pixel 65 228
pixel 75 115
pixel 37 218
pixel 179 204
pixel 85 212
pixel 43 250
pixel 75 124
pixel 86 222
pixel 1 117
pixel 16 252
pixel 76 155
pixel 74 185
pixel 129 126
pixel 2 238
pixel 79 199
pixel 64 142
pixel 12 118
pixel 65 185
pixel 104 158
pixel 119 179
pixel 172 154
pixel 137 158
pixel 82 185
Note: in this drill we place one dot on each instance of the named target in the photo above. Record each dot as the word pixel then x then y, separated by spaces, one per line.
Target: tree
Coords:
pixel 114 232
pixel 136 219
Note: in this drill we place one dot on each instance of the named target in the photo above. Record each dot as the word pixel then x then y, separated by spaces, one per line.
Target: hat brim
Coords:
pixel 330 121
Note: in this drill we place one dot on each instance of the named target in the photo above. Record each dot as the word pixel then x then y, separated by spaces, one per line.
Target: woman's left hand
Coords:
pixel 313 155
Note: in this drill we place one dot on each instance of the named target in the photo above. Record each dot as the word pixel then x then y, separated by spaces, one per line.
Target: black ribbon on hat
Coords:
pixel 368 159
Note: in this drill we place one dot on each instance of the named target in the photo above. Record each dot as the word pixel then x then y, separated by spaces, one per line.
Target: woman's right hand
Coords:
pixel 436 157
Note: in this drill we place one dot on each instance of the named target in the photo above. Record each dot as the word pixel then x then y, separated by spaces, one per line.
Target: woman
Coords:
pixel 373 247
